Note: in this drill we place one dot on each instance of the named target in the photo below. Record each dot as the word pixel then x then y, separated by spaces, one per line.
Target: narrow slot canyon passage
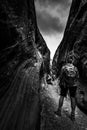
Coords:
pixel 35 33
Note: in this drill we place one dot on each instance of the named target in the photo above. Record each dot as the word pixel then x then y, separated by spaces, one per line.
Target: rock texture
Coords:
pixel 75 39
pixel 74 36
pixel 50 121
pixel 23 56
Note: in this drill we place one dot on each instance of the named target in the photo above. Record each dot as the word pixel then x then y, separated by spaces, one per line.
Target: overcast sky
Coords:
pixel 52 17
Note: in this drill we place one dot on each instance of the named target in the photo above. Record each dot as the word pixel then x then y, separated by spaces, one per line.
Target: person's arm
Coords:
pixel 61 77
pixel 77 77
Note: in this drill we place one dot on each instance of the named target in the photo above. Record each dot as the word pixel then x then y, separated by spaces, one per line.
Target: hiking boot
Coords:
pixel 58 112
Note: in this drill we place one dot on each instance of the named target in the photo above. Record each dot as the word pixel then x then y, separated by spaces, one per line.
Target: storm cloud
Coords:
pixel 49 24
pixel 63 3
pixel 52 15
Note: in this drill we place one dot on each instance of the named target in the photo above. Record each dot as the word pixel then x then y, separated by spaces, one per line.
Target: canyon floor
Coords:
pixel 50 121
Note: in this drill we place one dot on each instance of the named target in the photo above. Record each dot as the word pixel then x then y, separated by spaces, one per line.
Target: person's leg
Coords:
pixel 58 112
pixel 73 107
pixel 60 104
pixel 73 102
pixel 63 94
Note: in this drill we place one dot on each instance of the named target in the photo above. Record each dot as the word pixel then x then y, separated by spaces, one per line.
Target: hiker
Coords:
pixel 68 82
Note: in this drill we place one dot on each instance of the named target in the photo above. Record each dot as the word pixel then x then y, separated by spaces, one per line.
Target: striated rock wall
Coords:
pixel 75 38
pixel 22 53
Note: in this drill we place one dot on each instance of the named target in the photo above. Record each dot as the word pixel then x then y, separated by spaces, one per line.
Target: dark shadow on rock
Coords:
pixel 75 39
pixel 22 52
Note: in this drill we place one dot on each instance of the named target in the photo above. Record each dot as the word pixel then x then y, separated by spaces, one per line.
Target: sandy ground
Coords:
pixel 50 121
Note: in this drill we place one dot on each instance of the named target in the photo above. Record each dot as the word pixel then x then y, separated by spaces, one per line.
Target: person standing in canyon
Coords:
pixel 68 82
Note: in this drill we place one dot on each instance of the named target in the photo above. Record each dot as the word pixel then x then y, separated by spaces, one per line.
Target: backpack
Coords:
pixel 69 75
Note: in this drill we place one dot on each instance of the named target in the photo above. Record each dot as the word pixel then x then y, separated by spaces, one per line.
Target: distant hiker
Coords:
pixel 68 82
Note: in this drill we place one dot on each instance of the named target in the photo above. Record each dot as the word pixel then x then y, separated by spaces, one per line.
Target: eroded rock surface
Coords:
pixel 50 121
pixel 74 36
pixel 75 39
pixel 22 53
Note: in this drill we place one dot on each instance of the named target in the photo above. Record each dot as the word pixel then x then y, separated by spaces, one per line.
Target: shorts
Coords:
pixel 64 90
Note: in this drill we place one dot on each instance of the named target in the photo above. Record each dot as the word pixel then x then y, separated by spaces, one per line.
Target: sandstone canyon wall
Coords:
pixel 75 39
pixel 22 53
